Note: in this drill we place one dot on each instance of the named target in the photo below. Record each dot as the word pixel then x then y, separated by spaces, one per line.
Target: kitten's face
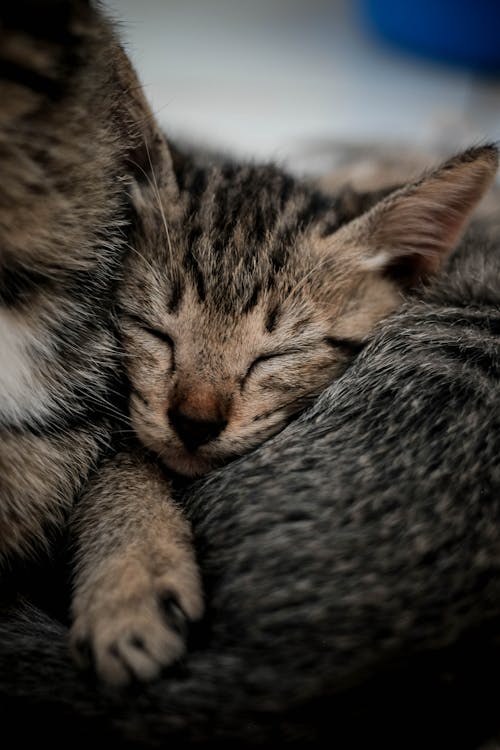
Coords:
pixel 247 310
pixel 207 388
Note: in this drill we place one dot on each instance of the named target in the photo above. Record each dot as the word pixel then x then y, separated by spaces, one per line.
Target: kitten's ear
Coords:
pixel 410 233
pixel 149 157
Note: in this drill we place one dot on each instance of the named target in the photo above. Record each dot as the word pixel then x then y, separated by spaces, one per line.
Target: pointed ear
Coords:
pixel 148 157
pixel 410 233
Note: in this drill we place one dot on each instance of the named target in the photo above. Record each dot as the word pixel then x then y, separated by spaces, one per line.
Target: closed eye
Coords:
pixel 156 332
pixel 349 347
pixel 265 358
pixel 161 335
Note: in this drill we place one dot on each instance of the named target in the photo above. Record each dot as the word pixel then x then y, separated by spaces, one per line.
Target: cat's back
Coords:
pixel 455 323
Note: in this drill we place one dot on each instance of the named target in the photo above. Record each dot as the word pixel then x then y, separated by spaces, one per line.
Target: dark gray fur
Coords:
pixel 352 563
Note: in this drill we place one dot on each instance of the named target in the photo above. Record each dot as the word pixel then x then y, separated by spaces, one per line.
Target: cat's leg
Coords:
pixel 137 582
pixel 39 476
pixel 73 130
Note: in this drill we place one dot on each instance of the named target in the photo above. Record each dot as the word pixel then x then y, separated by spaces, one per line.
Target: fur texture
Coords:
pixel 73 125
pixel 240 300
pixel 345 560
pixel 246 293
pixel 362 535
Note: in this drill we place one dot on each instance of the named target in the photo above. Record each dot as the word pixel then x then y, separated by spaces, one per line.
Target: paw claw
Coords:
pixel 174 614
pixel 130 634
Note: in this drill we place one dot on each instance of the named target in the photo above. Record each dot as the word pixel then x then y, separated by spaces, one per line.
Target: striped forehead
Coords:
pixel 239 232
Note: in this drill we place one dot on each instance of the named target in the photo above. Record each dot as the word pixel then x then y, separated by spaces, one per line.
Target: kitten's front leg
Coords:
pixel 137 582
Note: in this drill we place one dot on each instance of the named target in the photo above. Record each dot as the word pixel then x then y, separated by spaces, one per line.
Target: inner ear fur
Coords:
pixel 409 234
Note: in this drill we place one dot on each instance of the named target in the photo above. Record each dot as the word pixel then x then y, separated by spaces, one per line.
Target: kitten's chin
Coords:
pixel 174 456
pixel 187 465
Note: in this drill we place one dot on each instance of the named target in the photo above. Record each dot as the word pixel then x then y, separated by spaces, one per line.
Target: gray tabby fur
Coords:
pixel 351 564
pixel 365 535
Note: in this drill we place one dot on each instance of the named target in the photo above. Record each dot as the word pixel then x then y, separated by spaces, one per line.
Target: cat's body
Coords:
pixel 365 533
pixel 75 132
pixel 347 551
pixel 239 300
pixel 68 128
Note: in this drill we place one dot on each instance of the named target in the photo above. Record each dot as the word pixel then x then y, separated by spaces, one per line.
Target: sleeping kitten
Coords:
pixel 241 299
pixel 240 303
pixel 244 299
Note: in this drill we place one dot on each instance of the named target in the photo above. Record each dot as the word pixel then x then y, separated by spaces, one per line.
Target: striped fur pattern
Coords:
pixel 72 126
pixel 247 294
pixel 240 295
pixel 352 564
pixel 75 132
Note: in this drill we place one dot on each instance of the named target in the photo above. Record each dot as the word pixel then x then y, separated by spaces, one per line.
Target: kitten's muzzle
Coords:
pixel 195 432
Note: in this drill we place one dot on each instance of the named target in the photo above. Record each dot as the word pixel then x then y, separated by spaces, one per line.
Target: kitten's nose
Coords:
pixel 194 432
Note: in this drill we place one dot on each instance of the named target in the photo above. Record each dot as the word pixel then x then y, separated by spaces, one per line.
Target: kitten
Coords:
pixel 244 298
pixel 359 547
pixel 75 131
pixel 241 299
pixel 73 128
pixel 75 134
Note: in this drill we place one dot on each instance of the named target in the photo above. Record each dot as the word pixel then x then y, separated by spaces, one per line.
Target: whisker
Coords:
pixel 153 184
pixel 142 257
pixel 322 262
pixel 160 205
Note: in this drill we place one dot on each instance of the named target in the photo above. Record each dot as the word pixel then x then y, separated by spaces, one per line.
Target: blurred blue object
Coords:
pixel 465 32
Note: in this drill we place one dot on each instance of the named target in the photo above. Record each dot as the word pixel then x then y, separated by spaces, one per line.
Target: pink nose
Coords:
pixel 198 414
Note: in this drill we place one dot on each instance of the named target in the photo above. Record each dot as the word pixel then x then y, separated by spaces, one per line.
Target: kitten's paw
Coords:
pixel 131 627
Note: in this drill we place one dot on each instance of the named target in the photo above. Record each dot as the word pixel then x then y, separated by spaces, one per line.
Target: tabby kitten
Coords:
pixel 242 298
pixel 73 123
pixel 239 303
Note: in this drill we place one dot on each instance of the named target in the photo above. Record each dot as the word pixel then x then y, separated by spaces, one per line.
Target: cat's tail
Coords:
pixel 212 696
pixel 230 697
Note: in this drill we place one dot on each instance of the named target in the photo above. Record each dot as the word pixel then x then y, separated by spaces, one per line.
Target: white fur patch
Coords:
pixel 376 262
pixel 22 396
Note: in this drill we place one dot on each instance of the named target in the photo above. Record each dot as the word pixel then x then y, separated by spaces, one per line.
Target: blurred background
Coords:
pixel 307 82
